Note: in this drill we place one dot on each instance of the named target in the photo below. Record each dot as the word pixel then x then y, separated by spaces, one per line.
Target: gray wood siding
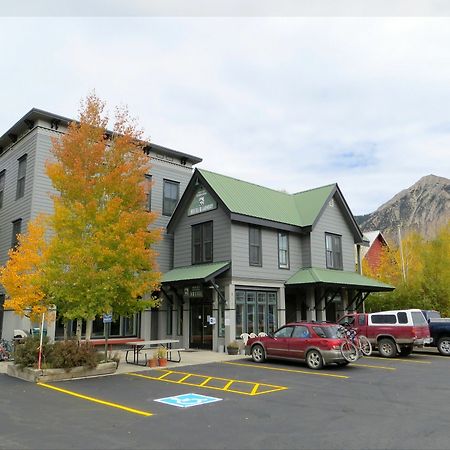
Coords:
pixel 221 236
pixel 16 209
pixel 269 270
pixel 306 250
pixel 161 170
pixel 332 221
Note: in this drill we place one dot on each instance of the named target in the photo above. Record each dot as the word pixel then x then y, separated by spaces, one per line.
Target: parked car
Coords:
pixel 391 332
pixel 316 343
pixel 439 330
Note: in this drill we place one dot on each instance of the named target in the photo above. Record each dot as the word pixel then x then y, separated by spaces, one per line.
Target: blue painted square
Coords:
pixel 188 400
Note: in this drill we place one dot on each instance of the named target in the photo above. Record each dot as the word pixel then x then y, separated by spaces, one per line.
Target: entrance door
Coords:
pixel 201 330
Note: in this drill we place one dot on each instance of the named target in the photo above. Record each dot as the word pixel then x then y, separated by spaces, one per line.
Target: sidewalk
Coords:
pixel 188 358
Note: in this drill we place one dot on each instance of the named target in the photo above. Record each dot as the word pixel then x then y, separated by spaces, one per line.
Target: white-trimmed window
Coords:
pixel 283 250
pixel 171 192
pixel 255 246
pixel 333 247
pixel 21 174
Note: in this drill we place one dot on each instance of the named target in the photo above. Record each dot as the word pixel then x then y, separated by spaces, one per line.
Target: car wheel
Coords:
pixel 387 348
pixel 406 351
pixel 314 359
pixel 258 354
pixel 444 346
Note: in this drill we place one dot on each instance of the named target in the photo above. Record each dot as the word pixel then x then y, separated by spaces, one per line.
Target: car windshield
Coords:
pixel 327 332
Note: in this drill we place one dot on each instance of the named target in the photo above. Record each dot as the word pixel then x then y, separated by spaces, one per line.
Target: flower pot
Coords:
pixel 162 362
pixel 233 350
pixel 152 362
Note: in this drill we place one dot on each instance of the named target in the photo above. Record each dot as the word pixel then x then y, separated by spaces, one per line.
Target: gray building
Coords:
pixel 25 192
pixel 249 259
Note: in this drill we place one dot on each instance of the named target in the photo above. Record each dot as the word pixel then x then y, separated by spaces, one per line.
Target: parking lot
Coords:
pixel 374 403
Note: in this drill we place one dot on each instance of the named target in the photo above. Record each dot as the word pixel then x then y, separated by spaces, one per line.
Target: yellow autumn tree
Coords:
pixel 23 274
pixel 101 257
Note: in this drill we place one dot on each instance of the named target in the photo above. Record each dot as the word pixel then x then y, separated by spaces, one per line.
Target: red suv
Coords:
pixel 316 343
pixel 392 332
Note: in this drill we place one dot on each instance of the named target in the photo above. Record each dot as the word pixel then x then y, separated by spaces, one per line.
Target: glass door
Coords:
pixel 200 329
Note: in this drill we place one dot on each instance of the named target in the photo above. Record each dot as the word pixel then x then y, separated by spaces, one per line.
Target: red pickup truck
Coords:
pixel 391 332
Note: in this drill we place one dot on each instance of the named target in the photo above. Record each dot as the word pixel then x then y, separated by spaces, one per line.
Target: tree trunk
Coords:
pixel 88 329
pixel 79 326
pixel 66 331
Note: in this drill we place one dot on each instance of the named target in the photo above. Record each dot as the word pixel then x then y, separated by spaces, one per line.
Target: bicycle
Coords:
pixel 5 350
pixel 354 346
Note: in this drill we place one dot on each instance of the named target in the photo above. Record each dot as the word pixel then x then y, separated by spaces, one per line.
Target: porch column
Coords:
pixel 310 304
pixel 146 320
pixel 344 295
pixel 321 314
pixel 282 307
pixel 186 320
pixel 230 314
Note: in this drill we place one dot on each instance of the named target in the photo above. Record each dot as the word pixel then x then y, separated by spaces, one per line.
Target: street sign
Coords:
pixel 107 318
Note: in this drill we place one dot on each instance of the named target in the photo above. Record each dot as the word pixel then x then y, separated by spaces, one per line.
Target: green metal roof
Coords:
pixel 314 275
pixel 203 272
pixel 252 200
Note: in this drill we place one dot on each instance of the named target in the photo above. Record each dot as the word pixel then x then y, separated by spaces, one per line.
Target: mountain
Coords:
pixel 424 207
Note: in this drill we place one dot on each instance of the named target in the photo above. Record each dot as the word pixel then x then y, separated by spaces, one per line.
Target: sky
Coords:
pixel 291 103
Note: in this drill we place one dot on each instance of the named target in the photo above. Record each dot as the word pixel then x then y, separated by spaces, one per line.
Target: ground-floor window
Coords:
pixel 256 311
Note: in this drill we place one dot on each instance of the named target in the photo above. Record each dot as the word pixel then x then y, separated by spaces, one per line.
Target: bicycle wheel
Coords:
pixel 364 345
pixel 349 351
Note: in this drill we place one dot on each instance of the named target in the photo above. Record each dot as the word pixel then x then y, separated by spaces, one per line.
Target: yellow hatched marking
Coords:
pixel 400 360
pixel 206 381
pixel 321 374
pixel 96 400
pixel 184 378
pixel 374 367
pixel 270 387
pixel 165 375
pixel 228 385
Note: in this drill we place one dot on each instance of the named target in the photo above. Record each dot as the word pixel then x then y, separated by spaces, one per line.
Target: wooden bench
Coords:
pixel 111 342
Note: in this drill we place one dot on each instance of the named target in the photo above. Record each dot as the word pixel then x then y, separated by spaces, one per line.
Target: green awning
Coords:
pixel 199 272
pixel 314 275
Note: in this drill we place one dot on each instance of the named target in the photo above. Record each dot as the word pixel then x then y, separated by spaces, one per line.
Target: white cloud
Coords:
pixel 291 103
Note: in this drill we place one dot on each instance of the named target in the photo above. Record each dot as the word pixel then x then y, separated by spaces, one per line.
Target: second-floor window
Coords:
pixel 21 177
pixel 17 229
pixel 255 246
pixel 283 250
pixel 333 249
pixel 171 192
pixel 2 186
pixel 148 192
pixel 202 243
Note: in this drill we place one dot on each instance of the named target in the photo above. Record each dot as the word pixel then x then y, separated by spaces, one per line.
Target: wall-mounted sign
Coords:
pixel 202 202
pixel 193 291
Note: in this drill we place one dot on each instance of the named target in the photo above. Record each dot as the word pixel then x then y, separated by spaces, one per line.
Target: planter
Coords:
pixel 152 362
pixel 46 375
pixel 162 362
pixel 233 350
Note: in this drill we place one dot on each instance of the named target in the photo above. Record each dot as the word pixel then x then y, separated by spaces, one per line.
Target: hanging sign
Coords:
pixel 202 202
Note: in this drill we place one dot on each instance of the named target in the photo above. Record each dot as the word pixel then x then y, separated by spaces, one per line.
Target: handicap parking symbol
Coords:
pixel 188 400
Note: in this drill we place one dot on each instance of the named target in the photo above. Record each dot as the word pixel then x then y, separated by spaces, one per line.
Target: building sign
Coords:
pixel 194 291
pixel 202 202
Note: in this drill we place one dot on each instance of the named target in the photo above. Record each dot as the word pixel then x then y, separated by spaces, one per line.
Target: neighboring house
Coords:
pixel 372 253
pixel 25 189
pixel 248 259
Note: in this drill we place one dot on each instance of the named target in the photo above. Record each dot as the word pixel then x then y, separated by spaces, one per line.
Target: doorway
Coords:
pixel 200 330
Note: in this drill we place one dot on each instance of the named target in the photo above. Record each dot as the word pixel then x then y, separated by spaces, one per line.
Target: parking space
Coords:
pixel 386 403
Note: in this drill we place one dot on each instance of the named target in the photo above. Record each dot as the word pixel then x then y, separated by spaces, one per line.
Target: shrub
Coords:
pixel 63 354
pixel 26 353
pixel 68 354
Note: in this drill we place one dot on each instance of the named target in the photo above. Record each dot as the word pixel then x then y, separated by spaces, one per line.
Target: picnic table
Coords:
pixel 138 346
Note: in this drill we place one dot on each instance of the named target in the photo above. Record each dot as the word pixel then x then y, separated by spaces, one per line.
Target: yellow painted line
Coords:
pixel 228 385
pixel 184 378
pixel 226 388
pixel 258 366
pixel 165 375
pixel 398 360
pixel 374 367
pixel 96 400
pixel 206 381
pixel 427 355
pixel 255 389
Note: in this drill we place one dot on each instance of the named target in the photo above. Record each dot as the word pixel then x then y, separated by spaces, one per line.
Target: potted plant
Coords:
pixel 153 361
pixel 162 356
pixel 233 348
